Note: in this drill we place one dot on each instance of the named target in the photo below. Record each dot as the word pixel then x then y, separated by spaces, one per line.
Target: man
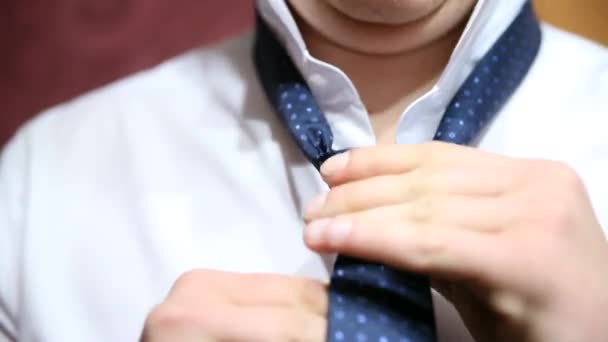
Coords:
pixel 184 180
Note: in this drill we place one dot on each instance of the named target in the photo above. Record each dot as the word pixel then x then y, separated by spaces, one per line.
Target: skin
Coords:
pixel 392 50
pixel 509 241
pixel 206 306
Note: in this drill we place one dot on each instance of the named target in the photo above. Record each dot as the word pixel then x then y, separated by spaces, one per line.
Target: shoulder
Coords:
pixel 557 38
pixel 564 94
pixel 570 73
pixel 572 58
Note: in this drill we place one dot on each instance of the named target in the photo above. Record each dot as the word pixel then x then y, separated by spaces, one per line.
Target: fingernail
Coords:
pixel 330 232
pixel 338 230
pixel 335 164
pixel 314 231
pixel 315 206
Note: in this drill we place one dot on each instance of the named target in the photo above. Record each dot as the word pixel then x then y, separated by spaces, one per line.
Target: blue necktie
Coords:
pixel 370 301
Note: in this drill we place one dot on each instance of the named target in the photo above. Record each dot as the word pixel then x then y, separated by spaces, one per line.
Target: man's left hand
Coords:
pixel 512 240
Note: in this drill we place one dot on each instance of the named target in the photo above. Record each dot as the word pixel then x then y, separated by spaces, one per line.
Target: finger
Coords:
pixel 168 323
pixel 207 286
pixel 489 215
pixel 388 190
pixel 281 290
pixel 176 332
pixel 395 159
pixel 273 324
pixel 437 250
pixel 172 322
pixel 366 194
pixel 479 214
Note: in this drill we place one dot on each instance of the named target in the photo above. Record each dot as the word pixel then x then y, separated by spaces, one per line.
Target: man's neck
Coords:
pixel 389 83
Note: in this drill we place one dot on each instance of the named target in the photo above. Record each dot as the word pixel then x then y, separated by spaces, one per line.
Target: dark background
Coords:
pixel 52 50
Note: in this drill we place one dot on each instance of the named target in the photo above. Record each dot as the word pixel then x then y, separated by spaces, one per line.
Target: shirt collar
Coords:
pixel 334 91
pixel 489 19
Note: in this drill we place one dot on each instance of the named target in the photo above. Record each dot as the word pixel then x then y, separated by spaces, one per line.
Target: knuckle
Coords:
pixel 558 217
pixel 569 177
pixel 532 168
pixel 205 284
pixel 168 316
pixel 546 213
pixel 556 199
pixel 422 210
pixel 557 173
pixel 342 197
pixel 428 249
pixel 413 184
pixel 562 169
pixel 190 277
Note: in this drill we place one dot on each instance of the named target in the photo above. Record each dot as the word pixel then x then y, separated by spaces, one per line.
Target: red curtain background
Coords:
pixel 52 50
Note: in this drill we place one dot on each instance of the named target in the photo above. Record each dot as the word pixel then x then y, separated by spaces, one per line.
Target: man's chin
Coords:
pixel 386 12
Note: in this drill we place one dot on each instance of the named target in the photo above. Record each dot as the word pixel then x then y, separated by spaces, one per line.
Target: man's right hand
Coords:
pixel 218 306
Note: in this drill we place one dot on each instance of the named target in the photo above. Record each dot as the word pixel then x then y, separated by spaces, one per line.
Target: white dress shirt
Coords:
pixel 105 200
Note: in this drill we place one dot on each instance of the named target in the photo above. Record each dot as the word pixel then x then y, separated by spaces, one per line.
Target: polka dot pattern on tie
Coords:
pixel 493 81
pixel 307 123
pixel 367 302
pixel 370 302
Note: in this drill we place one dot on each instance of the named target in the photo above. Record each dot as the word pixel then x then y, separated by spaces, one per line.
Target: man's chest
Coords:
pixel 112 224
pixel 111 250
pixel 108 236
